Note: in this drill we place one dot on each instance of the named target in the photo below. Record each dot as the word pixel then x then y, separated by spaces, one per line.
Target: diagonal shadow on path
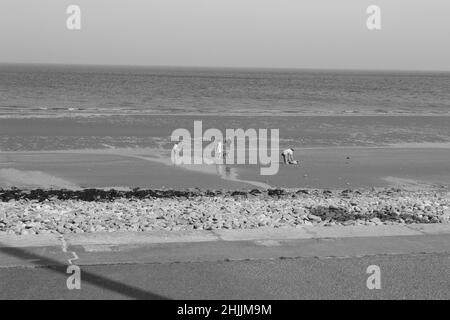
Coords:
pixel 91 278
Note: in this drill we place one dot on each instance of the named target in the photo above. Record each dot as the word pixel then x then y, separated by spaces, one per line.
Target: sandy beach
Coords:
pixel 123 151
pixel 332 168
pixel 335 152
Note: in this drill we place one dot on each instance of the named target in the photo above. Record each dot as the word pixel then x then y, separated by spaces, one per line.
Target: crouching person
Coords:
pixel 288 156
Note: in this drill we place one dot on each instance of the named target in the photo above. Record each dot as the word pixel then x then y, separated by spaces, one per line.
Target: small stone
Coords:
pixel 376 221
pixel 314 217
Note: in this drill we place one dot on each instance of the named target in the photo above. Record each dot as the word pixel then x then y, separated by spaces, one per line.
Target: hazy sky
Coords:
pixel 415 34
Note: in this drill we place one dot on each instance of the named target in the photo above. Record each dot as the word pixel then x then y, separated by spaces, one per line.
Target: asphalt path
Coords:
pixel 266 274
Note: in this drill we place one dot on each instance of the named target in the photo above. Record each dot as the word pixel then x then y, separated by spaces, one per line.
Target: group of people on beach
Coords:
pixel 221 150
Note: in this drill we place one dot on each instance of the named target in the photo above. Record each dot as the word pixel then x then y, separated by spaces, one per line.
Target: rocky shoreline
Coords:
pixel 96 210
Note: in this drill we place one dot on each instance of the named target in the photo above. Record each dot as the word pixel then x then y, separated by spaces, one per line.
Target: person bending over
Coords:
pixel 288 156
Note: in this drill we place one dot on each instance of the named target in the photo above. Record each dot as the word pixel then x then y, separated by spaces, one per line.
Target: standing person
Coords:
pixel 218 153
pixel 288 156
pixel 176 153
pixel 227 148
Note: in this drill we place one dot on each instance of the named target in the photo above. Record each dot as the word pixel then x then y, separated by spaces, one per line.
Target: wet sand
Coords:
pixel 337 168
pixel 327 168
pixel 90 169
pixel 97 132
pixel 335 152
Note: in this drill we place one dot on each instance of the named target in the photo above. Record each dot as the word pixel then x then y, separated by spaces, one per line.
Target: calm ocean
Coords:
pixel 40 89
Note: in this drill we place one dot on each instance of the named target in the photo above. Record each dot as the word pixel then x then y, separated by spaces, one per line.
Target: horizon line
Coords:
pixel 224 67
